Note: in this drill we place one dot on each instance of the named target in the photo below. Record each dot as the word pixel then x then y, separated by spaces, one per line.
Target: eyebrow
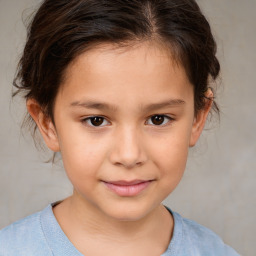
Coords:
pixel 94 105
pixel 168 103
pixel 106 106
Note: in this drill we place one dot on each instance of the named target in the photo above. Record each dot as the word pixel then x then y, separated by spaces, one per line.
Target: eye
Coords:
pixel 159 120
pixel 95 121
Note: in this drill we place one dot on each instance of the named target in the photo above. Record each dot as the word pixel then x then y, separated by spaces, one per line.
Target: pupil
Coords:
pixel 157 120
pixel 96 121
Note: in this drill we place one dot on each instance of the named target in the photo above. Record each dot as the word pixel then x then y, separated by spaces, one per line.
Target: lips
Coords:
pixel 127 188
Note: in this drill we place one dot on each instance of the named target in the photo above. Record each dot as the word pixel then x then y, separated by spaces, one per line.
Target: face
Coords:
pixel 124 120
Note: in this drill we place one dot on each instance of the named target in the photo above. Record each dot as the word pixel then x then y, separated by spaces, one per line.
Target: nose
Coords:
pixel 128 150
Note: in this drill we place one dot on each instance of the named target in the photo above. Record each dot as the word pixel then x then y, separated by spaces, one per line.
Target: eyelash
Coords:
pixel 170 119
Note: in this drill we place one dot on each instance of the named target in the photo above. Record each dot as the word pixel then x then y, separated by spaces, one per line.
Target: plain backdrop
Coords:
pixel 218 189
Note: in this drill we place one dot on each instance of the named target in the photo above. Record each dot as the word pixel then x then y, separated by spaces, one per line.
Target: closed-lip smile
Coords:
pixel 127 188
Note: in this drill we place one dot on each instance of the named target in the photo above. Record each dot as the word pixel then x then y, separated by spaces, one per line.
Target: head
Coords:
pixel 143 68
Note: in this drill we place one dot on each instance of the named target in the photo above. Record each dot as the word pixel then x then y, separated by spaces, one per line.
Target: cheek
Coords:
pixel 172 167
pixel 82 157
pixel 170 155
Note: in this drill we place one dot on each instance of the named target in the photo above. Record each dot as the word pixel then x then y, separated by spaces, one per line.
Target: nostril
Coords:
pixel 139 163
pixel 129 165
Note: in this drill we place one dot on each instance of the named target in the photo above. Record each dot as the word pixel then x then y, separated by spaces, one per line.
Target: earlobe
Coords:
pixel 200 119
pixel 44 124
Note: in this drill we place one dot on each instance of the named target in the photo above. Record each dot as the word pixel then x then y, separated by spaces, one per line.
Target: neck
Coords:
pixel 80 219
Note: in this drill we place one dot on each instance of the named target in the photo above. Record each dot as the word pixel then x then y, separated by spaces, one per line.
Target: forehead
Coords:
pixel 144 69
pixel 145 56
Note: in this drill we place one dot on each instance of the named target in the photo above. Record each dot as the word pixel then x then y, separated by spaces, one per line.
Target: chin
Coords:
pixel 129 212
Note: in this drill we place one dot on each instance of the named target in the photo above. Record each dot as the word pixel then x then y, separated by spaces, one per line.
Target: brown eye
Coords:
pixel 95 121
pixel 159 120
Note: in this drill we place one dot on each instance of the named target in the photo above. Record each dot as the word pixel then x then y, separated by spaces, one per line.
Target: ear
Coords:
pixel 200 118
pixel 44 124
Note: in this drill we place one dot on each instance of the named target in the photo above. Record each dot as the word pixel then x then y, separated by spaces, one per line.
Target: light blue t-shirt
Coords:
pixel 41 235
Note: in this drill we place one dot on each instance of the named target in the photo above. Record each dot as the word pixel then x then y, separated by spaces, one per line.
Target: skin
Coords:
pixel 127 146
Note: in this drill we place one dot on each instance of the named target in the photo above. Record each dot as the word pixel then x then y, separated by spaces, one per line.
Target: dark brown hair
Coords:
pixel 61 30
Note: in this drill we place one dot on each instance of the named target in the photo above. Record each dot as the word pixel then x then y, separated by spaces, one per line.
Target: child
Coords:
pixel 120 89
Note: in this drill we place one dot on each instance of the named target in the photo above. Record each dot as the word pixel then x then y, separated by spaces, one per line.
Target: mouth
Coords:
pixel 127 188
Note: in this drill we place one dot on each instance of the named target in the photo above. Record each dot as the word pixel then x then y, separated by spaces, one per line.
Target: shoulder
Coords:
pixel 195 231
pixel 24 237
pixel 191 238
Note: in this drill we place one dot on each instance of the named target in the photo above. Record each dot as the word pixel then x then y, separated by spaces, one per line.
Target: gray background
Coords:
pixel 218 189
